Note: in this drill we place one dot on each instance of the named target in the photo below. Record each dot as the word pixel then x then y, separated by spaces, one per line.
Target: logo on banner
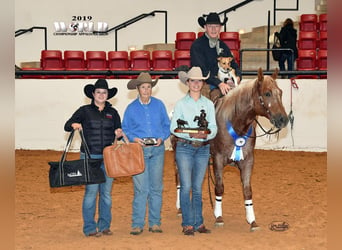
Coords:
pixel 80 25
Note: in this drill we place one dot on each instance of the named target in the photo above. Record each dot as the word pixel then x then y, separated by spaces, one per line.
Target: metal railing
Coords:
pixel 23 31
pixel 132 21
pixel 173 73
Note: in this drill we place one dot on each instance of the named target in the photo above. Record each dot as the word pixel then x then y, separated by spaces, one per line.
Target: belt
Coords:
pixel 193 143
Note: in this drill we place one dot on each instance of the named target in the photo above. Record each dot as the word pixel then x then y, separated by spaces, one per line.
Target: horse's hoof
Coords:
pixel 254 227
pixel 219 222
pixel 179 212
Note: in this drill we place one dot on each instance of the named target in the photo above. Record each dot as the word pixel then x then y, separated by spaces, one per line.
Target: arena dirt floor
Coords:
pixel 289 187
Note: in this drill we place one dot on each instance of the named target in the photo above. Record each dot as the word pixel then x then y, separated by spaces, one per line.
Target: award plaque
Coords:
pixel 201 122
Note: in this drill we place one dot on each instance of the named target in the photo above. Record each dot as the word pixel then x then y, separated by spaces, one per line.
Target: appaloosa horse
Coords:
pixel 234 143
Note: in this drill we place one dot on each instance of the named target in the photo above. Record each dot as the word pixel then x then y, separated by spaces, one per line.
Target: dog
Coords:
pixel 225 72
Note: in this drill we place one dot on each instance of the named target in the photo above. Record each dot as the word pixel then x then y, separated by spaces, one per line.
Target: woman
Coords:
pixel 146 122
pixel 288 40
pixel 192 149
pixel 100 123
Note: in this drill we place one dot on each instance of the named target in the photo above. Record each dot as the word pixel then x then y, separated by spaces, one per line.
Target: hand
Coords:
pixel 159 141
pixel 76 126
pixel 140 141
pixel 224 88
pixel 118 132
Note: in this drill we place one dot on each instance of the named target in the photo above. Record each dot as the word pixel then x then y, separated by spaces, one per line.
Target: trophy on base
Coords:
pixel 201 122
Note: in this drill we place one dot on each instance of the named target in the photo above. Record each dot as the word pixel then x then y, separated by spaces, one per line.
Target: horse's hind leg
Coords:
pixel 246 173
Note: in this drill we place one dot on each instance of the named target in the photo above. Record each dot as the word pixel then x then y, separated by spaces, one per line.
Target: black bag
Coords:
pixel 276 45
pixel 76 172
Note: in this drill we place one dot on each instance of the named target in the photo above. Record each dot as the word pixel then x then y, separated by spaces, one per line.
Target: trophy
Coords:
pixel 201 122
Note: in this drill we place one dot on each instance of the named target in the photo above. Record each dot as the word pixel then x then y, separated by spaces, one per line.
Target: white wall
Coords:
pixel 182 16
pixel 43 106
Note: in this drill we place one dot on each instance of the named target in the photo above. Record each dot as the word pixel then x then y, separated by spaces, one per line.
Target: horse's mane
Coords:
pixel 238 100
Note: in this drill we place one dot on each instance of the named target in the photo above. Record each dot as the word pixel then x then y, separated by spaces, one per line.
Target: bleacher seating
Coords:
pixel 306 61
pixel 184 40
pixel 96 60
pixel 323 40
pixel 181 58
pixel 74 60
pixel 322 61
pixel 308 22
pixel 232 39
pixel 323 22
pixel 52 60
pixel 307 40
pixel 140 60
pixel 118 60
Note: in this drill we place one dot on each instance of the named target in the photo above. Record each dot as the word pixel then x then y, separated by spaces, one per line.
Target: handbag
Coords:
pixel 123 158
pixel 76 172
pixel 276 53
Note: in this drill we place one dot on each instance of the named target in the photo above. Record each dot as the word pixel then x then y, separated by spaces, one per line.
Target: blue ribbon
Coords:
pixel 239 141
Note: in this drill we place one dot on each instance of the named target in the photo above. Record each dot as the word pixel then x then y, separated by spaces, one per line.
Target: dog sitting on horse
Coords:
pixel 225 72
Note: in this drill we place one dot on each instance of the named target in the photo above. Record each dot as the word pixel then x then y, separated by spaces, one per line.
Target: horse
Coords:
pixel 234 144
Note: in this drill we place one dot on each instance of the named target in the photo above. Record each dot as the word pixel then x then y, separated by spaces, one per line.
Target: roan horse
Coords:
pixel 236 115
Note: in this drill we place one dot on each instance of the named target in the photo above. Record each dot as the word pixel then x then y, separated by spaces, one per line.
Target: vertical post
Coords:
pixel 268 41
pixel 165 27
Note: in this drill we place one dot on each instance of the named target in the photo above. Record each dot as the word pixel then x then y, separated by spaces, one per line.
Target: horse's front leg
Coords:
pixel 219 188
pixel 246 173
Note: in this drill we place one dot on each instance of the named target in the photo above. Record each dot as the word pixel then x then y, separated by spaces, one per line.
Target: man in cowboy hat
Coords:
pixel 206 49
pixel 192 149
pixel 146 122
pixel 100 124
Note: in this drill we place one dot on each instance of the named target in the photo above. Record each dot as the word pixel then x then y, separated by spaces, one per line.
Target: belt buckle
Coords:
pixel 196 143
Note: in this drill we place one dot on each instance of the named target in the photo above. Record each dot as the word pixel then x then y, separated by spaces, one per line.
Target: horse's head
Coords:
pixel 270 99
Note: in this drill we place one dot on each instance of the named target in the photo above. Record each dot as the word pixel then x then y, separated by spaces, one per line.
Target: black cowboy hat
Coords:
pixel 212 18
pixel 99 84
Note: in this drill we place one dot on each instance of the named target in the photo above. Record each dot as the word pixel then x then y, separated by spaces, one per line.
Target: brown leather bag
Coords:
pixel 123 158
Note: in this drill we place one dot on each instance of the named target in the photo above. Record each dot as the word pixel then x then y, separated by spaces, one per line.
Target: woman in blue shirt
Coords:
pixel 146 122
pixel 193 149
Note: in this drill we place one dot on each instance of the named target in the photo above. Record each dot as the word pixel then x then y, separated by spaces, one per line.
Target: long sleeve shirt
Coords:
pixel 146 120
pixel 186 109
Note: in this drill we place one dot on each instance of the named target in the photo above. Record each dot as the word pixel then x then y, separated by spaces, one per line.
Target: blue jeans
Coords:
pixel 104 203
pixel 148 188
pixel 286 57
pixel 192 163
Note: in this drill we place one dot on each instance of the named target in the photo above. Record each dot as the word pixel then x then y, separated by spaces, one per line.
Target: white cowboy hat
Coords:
pixel 194 73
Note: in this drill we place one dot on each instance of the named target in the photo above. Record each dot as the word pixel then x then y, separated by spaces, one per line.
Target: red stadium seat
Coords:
pixel 306 61
pixel 96 60
pixel 232 39
pixel 74 60
pixel 182 58
pixel 308 22
pixel 140 60
pixel 118 60
pixel 184 40
pixel 200 33
pixel 323 22
pixel 323 40
pixel 307 40
pixel 322 61
pixel 52 60
pixel 236 55
pixel 162 60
